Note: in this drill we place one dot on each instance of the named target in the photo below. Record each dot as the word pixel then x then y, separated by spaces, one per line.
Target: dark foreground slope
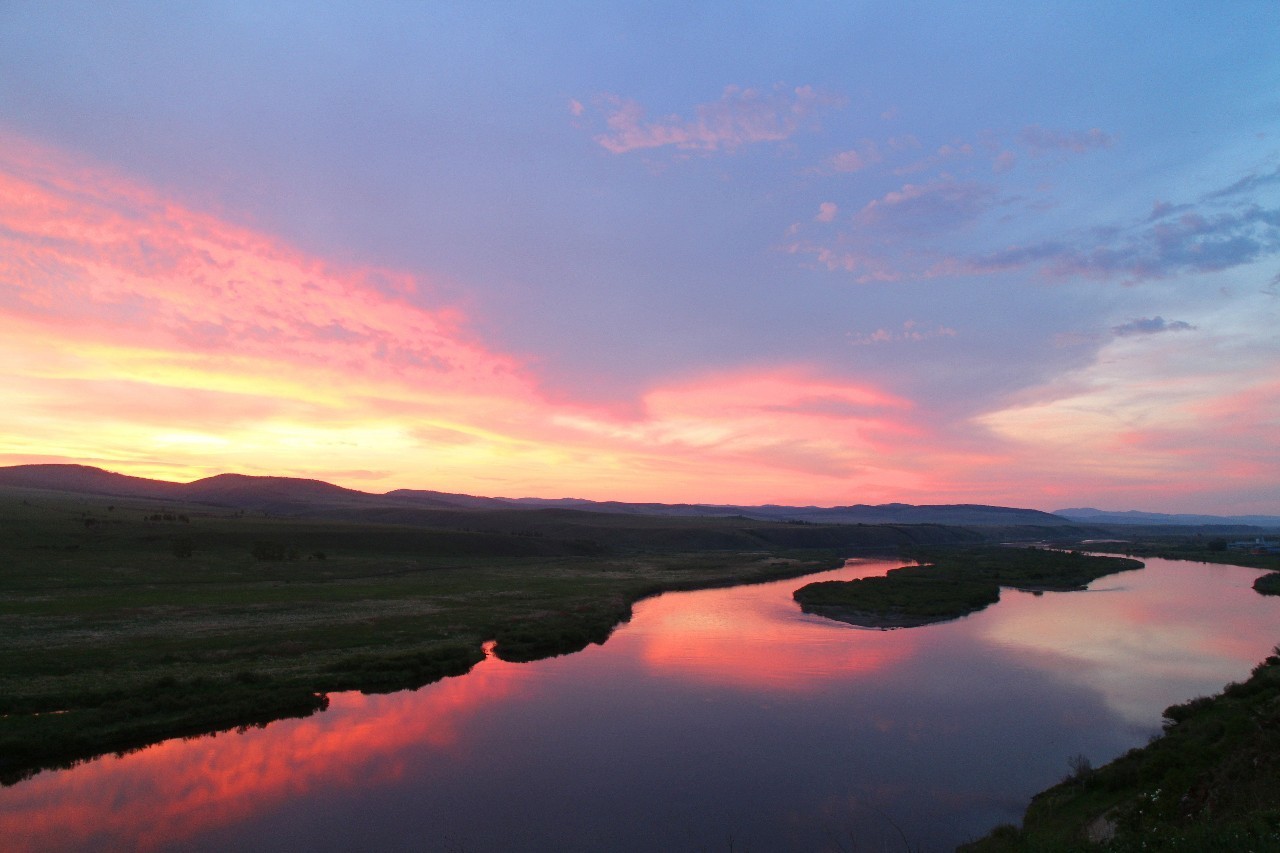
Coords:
pixel 1210 783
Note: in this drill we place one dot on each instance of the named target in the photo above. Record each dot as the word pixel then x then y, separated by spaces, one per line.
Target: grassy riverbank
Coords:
pixel 125 622
pixel 953 583
pixel 1211 782
pixel 1195 548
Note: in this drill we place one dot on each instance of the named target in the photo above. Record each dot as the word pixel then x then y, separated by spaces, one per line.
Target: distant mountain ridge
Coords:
pixel 1101 516
pixel 294 495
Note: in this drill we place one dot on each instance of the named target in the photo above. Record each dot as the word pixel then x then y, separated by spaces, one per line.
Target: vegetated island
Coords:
pixel 952 583
pixel 1211 782
pixel 1268 584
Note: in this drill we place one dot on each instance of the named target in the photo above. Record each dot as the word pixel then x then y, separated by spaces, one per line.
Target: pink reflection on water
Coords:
pixel 178 789
pixel 756 637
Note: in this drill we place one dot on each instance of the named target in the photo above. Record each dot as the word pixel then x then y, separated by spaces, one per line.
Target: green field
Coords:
pixel 952 583
pixel 124 622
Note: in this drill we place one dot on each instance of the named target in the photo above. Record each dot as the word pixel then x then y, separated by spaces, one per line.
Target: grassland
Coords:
pixel 953 583
pixel 124 622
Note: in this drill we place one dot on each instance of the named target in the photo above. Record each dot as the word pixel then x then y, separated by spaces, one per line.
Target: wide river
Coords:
pixel 723 720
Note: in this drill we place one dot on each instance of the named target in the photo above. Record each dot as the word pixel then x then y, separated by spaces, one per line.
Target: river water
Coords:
pixel 721 720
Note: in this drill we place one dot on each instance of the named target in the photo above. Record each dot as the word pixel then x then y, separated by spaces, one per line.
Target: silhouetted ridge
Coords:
pixel 245 485
pixel 1131 516
pixel 296 495
pixel 88 480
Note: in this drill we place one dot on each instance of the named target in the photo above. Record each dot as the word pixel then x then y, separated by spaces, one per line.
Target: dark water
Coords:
pixel 717 720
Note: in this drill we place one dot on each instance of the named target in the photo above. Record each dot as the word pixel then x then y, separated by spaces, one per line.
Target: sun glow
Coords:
pixel 151 339
pixel 135 329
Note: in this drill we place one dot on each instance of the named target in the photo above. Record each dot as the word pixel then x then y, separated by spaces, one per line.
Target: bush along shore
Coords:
pixel 1211 782
pixel 950 583
pixel 1268 584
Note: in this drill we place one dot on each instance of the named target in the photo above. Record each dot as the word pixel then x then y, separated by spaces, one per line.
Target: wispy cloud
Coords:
pixel 1039 140
pixel 1248 183
pixel 1225 229
pixel 740 117
pixel 910 331
pixel 856 159
pixel 1150 326
pixel 951 151
pixel 931 206
pixel 154 339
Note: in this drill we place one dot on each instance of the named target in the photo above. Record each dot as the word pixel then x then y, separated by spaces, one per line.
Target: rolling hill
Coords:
pixel 292 495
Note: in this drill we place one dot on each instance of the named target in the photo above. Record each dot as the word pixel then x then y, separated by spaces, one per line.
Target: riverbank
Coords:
pixel 1211 782
pixel 953 583
pixel 1197 549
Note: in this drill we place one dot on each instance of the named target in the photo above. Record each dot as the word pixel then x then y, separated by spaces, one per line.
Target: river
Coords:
pixel 719 720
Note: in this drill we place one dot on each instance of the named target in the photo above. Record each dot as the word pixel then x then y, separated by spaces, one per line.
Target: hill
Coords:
pixel 297 496
pixel 1090 515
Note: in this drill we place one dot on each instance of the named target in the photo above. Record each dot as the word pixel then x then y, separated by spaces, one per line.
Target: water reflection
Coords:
pixel 753 637
pixel 176 790
pixel 1145 639
pixel 713 719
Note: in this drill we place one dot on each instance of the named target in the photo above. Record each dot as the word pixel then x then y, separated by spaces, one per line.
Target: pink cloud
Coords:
pixel 157 340
pixel 125 269
pixel 944 153
pixel 856 159
pixel 867 266
pixel 910 331
pixel 1040 140
pixel 941 204
pixel 741 116
pixel 161 341
pixel 826 212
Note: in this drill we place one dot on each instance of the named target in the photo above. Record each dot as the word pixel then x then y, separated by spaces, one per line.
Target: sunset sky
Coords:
pixel 805 253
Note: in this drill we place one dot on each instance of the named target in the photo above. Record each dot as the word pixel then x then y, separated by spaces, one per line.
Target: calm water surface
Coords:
pixel 717 720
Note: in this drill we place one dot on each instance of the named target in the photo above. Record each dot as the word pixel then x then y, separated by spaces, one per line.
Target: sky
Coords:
pixel 815 253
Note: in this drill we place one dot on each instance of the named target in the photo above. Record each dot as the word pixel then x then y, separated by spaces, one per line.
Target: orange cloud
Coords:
pixel 741 116
pixel 156 340
pixel 148 338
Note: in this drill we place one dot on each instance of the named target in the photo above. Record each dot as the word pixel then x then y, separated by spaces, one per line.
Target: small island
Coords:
pixel 950 583
pixel 1268 584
